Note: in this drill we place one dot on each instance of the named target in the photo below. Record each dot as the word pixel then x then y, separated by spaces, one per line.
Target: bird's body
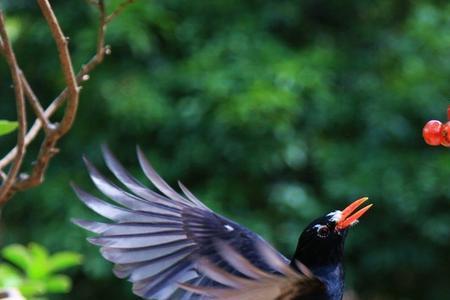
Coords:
pixel 332 277
pixel 172 246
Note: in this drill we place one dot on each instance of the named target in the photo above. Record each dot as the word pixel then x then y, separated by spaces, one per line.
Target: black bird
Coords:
pixel 171 246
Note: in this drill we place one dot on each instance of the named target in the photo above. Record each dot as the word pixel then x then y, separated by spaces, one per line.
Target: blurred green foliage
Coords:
pixel 273 112
pixel 34 272
pixel 7 126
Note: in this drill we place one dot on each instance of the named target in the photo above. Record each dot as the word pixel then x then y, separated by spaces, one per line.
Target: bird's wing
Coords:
pixel 156 239
pixel 286 284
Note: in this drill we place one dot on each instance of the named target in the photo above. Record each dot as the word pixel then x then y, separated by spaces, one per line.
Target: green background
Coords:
pixel 272 112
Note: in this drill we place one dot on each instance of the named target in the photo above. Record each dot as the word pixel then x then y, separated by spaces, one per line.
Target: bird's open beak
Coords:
pixel 348 219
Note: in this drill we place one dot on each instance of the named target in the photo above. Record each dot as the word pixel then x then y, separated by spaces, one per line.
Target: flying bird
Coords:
pixel 172 246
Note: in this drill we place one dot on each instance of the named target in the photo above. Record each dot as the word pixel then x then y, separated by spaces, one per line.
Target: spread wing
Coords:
pixel 156 239
pixel 256 283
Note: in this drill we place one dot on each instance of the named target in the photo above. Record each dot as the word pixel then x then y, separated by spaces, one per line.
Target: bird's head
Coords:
pixel 322 242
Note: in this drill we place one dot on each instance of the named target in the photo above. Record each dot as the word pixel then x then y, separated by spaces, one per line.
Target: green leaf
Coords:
pixel 59 284
pixel 18 255
pixel 9 276
pixel 64 260
pixel 39 264
pixel 32 288
pixel 7 126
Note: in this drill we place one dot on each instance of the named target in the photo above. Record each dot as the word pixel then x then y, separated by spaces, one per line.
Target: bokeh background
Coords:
pixel 272 112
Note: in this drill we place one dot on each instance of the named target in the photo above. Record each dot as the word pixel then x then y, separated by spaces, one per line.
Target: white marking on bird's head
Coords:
pixel 335 216
pixel 228 227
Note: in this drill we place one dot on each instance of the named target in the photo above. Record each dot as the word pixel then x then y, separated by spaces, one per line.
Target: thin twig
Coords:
pixel 34 130
pixel 66 64
pixel 118 10
pixel 2 175
pixel 20 106
pixel 35 104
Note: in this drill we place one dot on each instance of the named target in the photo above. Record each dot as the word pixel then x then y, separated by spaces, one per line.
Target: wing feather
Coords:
pixel 126 199
pixel 126 228
pixel 137 241
pixel 159 183
pixel 127 256
pixel 132 183
pixel 115 213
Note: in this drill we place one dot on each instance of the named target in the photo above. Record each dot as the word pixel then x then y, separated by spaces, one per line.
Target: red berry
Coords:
pixel 432 133
pixel 448 112
pixel 445 132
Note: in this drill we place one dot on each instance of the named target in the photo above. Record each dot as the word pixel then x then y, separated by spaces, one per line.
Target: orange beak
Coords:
pixel 348 219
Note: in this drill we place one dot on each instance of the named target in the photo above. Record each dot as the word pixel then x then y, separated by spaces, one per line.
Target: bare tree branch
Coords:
pixel 20 106
pixel 70 95
pixel 35 104
pixel 34 130
pixel 53 107
pixel 66 64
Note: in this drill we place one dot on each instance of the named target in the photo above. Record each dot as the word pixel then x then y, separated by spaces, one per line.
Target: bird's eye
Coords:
pixel 323 231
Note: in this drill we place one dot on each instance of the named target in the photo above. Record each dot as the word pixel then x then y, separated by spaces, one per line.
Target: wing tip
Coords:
pixel 87 162
pixel 79 222
pixel 77 189
pixel 92 226
pixel 108 255
pixel 98 241
pixel 84 196
pixel 119 272
pixel 108 155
